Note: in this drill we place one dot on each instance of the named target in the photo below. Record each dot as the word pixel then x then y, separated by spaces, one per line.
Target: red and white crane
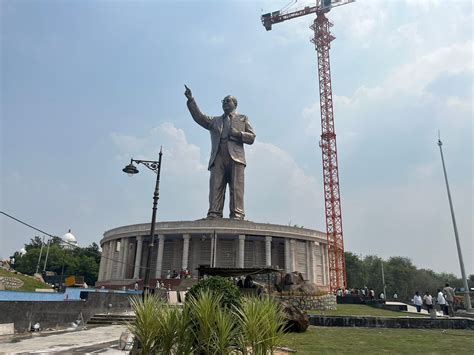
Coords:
pixel 322 40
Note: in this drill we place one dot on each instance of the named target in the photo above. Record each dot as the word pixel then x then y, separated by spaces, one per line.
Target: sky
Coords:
pixel 87 85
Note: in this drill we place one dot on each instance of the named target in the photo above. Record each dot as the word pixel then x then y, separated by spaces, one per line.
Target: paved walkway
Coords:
pixel 412 309
pixel 98 339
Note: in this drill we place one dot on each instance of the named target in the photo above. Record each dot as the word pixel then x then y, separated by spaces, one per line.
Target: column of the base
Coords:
pixel 268 251
pixel 126 249
pixel 120 259
pixel 293 254
pixel 241 258
pixel 102 263
pixel 317 249
pixel 110 260
pixel 287 256
pixel 184 264
pixel 324 257
pixel 138 258
pixel 159 257
pixel 309 261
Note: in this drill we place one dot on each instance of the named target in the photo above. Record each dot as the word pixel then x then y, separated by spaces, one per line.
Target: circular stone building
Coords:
pixel 223 243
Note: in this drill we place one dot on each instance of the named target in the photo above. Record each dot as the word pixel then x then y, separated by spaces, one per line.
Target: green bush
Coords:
pixel 228 292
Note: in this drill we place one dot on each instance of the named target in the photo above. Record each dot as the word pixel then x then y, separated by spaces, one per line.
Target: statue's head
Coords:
pixel 229 103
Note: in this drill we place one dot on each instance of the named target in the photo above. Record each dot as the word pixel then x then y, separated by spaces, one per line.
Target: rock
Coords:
pixel 296 320
pixel 307 288
pixel 11 282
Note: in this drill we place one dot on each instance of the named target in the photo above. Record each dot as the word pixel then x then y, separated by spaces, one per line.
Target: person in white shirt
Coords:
pixel 442 302
pixel 428 301
pixel 417 301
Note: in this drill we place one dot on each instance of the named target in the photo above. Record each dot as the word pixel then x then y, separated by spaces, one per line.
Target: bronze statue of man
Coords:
pixel 227 163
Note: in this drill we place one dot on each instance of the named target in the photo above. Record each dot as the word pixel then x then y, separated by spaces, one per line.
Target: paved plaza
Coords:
pixel 94 340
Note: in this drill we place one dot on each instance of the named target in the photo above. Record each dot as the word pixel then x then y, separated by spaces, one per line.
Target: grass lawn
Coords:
pixel 364 310
pixel 320 340
pixel 30 284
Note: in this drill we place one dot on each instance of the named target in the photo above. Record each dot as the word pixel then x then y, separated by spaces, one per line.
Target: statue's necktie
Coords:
pixel 226 127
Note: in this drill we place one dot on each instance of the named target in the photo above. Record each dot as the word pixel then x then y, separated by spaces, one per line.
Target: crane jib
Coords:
pixel 282 15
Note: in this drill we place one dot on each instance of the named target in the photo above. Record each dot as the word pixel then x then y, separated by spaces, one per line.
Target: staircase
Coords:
pixel 185 284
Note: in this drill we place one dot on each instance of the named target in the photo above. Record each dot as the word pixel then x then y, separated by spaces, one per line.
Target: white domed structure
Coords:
pixel 22 251
pixel 69 240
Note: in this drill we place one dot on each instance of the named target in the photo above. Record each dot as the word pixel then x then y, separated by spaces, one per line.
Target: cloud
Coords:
pixel 415 76
pixel 214 39
pixel 423 4
pixel 361 22
pixel 279 190
pixel 410 80
pixel 180 155
pixel 406 34
pixel 457 103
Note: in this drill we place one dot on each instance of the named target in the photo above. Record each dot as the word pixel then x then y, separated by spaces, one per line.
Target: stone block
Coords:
pixel 7 329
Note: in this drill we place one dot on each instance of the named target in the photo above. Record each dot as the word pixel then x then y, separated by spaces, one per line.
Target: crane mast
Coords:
pixel 322 40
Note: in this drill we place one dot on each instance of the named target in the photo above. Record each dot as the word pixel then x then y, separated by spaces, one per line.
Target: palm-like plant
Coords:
pixel 214 326
pixel 159 327
pixel 226 331
pixel 168 319
pixel 261 324
pixel 145 326
pixel 184 335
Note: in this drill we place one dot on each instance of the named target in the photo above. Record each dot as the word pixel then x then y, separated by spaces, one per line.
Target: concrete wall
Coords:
pixel 386 322
pixel 56 314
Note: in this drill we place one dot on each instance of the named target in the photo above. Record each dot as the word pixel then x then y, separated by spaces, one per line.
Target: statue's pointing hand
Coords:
pixel 188 93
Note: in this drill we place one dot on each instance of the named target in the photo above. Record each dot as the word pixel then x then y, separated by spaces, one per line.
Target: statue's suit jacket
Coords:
pixel 215 124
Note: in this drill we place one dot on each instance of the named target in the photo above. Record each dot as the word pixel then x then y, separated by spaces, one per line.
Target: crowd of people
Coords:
pixel 445 299
pixel 183 274
pixel 365 293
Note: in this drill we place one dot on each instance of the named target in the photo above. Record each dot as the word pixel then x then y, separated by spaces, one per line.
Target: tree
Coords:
pixel 34 243
pixel 399 276
pixel 355 271
pixel 373 266
pixel 62 260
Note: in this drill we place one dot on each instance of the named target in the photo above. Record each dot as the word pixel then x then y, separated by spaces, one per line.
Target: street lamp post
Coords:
pixel 467 297
pixel 383 282
pixel 154 166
